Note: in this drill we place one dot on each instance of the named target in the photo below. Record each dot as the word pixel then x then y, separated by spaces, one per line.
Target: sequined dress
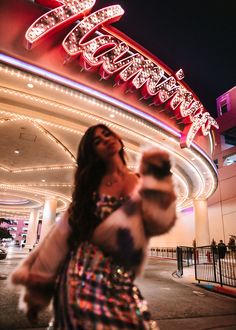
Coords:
pixel 95 293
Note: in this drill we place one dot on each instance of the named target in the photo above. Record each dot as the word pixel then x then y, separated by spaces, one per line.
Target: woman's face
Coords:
pixel 106 144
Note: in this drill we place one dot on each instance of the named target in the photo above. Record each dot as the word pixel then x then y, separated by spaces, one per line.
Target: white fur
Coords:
pixel 152 219
pixel 165 185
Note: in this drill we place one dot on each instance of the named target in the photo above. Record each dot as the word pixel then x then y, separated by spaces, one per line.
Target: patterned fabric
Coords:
pixel 106 204
pixel 94 293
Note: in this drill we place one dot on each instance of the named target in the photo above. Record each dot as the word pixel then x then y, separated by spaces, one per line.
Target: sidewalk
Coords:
pixel 175 303
pixel 189 277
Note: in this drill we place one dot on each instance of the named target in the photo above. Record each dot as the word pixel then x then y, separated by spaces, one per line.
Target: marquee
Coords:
pixel 110 55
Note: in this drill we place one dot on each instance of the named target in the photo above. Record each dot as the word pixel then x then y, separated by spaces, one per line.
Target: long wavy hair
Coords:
pixel 89 173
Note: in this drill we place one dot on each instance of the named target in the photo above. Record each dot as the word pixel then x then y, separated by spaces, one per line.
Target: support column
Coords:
pixel 49 216
pixel 201 222
pixel 32 229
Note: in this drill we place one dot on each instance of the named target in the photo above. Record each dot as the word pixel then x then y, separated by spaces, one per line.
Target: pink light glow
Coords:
pixel 65 13
pixel 101 96
pixel 106 53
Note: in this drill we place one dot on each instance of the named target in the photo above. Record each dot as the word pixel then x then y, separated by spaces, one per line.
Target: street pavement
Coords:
pixel 175 303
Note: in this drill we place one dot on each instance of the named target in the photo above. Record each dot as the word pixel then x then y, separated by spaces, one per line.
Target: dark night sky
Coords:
pixel 197 36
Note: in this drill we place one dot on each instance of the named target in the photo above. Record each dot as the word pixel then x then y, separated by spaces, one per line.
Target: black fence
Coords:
pixel 212 263
pixel 165 253
pixel 185 258
pixel 183 254
pixel 215 264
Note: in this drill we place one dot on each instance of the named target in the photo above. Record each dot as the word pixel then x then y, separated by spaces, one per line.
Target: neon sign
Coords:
pixel 110 56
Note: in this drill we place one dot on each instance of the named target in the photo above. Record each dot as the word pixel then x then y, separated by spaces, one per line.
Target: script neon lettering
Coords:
pixel 65 13
pixel 75 40
pixel 134 65
pixel 201 120
pixel 106 53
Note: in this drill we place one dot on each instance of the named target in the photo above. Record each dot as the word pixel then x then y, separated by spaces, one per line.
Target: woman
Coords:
pixel 90 289
pixel 95 289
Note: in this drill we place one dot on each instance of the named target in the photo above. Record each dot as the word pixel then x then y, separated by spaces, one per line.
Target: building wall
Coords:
pixel 222 204
pixel 229 100
pixel 221 214
pixel 183 233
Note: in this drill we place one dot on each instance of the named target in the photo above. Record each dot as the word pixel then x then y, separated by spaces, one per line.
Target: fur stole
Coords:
pixel 151 211
pixel 37 273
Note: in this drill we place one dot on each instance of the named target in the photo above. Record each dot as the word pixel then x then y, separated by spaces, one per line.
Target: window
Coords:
pixel 223 108
pixel 229 160
pixel 230 136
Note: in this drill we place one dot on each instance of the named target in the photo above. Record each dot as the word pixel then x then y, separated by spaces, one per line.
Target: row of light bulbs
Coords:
pixel 128 117
pixel 119 127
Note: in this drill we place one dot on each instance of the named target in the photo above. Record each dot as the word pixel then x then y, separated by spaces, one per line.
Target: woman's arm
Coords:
pixel 158 198
pixel 45 260
pixel 36 274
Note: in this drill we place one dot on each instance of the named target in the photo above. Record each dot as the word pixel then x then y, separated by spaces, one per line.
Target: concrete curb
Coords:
pixel 219 289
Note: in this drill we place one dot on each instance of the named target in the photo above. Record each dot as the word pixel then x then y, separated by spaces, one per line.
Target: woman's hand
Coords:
pixel 157 192
pixel 35 298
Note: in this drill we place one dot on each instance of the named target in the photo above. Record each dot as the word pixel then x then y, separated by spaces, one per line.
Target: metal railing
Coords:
pixel 185 258
pixel 214 264
pixel 164 252
pixel 183 254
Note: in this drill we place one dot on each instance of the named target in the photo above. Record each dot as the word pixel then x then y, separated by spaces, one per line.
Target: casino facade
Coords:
pixel 63 68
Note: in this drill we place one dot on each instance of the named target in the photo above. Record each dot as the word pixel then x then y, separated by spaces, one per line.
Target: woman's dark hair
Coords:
pixel 88 176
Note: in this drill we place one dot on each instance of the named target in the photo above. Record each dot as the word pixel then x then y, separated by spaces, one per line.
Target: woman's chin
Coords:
pixel 112 151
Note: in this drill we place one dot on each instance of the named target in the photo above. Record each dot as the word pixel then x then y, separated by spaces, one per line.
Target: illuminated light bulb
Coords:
pixel 17 151
pixel 57 18
pixel 117 113
pixel 30 85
